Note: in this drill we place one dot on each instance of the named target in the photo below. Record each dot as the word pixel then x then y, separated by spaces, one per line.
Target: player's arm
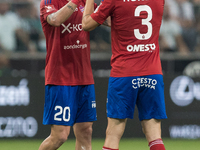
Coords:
pixel 88 23
pixel 107 22
pixel 59 17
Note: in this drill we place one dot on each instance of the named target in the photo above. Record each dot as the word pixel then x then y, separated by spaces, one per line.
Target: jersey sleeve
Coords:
pixel 47 8
pixel 75 2
pixel 103 11
pixel 95 6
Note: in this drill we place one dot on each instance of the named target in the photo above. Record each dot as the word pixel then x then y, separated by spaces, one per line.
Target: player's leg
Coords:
pixel 58 136
pixel 121 99
pixel 83 134
pixel 86 115
pixel 151 107
pixel 114 132
pixel 59 111
pixel 152 131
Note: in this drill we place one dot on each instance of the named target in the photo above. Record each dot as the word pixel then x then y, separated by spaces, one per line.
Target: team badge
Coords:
pixel 81 8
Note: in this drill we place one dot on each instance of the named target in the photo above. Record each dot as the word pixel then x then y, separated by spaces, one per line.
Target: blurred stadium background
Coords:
pixel 22 62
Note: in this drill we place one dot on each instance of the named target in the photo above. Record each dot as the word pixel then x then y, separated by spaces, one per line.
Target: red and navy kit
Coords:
pixel 136 75
pixel 68 47
pixel 135 26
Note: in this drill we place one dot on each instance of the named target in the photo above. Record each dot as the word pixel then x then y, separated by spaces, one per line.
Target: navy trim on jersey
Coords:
pixel 47 2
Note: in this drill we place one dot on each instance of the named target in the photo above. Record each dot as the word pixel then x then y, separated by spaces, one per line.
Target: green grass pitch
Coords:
pixel 125 144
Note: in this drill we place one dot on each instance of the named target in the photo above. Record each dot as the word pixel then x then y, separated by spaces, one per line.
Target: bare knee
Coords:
pixel 59 134
pixel 63 137
pixel 83 130
pixel 59 139
pixel 86 132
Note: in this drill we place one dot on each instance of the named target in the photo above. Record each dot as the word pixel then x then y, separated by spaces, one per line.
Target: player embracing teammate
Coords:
pixel 136 75
pixel 135 79
pixel 69 84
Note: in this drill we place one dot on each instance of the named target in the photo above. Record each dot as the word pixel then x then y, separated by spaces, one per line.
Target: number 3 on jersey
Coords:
pixel 145 21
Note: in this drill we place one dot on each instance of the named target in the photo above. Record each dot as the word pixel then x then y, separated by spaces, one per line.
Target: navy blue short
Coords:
pixel 66 105
pixel 145 92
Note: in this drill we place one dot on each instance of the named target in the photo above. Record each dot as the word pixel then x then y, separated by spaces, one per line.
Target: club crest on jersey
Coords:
pixel 49 8
pixel 81 8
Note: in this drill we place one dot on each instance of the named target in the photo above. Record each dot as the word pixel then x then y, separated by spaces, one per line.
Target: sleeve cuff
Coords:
pixel 75 1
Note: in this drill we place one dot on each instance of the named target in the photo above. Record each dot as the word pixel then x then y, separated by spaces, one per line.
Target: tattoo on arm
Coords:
pixel 85 16
pixel 70 7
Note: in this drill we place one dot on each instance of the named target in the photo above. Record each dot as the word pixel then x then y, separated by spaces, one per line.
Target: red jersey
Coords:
pixel 135 26
pixel 68 47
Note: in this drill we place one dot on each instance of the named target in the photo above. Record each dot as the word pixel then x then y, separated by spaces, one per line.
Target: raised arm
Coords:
pixel 88 23
pixel 59 17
